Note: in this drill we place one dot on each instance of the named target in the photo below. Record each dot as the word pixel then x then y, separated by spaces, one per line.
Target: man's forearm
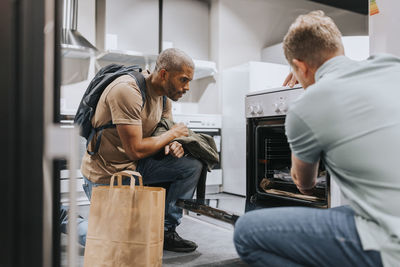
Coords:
pixel 136 147
pixel 304 174
pixel 151 145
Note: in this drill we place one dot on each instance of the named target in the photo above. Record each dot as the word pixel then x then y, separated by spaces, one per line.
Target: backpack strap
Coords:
pixel 164 102
pixel 98 139
pixel 141 82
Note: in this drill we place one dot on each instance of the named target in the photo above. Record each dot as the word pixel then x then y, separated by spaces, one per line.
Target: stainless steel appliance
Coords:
pixel 269 156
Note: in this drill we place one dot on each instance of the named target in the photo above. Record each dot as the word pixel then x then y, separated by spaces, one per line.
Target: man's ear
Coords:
pixel 163 74
pixel 300 66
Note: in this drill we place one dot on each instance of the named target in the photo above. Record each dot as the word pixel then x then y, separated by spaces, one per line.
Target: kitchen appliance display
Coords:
pixel 268 153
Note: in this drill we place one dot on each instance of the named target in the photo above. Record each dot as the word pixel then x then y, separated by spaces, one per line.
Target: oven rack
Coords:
pixel 283 182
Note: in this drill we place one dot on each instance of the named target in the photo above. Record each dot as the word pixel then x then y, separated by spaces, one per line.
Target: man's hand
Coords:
pixel 290 80
pixel 304 175
pixel 175 149
pixel 180 130
pixel 308 192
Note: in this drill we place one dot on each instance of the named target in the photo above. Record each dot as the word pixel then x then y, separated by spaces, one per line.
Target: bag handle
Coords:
pixel 127 173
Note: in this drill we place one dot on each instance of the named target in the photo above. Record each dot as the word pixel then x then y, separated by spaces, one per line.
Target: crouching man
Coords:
pixel 349 116
pixel 130 146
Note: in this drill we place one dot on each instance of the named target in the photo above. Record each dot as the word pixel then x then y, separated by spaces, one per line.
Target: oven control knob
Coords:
pixel 251 110
pixel 277 108
pixel 258 109
pixel 283 107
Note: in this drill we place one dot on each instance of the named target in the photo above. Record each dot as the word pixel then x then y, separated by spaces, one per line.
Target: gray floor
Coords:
pixel 215 245
pixel 213 237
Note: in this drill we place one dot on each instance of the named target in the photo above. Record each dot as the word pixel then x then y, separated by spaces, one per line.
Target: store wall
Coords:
pixel 186 25
pixel 86 19
pixel 245 27
pixel 384 28
pixel 134 23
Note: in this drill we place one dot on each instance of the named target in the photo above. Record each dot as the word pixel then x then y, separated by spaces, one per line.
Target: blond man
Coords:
pixel 349 117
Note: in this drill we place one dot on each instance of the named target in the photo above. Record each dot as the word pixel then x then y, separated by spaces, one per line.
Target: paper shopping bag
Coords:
pixel 126 224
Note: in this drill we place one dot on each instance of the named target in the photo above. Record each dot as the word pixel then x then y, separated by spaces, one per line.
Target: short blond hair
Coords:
pixel 312 38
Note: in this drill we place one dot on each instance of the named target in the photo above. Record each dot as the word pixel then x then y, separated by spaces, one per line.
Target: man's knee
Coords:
pixel 194 166
pixel 249 231
pixel 238 234
pixel 242 235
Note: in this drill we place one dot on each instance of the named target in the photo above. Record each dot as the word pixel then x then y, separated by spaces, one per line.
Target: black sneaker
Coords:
pixel 173 242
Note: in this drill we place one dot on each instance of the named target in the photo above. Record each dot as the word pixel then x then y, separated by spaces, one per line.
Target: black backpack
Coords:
pixel 87 107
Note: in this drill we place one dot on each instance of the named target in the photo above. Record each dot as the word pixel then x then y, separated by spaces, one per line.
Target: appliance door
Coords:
pixel 270 162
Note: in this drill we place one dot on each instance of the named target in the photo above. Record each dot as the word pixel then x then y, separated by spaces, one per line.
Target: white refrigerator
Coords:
pixel 236 83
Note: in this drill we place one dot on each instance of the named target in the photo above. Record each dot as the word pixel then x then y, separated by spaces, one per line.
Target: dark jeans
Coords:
pixel 82 225
pixel 181 175
pixel 296 236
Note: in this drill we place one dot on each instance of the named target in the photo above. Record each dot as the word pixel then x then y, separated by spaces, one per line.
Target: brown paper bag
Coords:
pixel 126 224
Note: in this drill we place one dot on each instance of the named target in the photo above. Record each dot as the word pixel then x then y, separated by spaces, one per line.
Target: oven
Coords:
pixel 268 152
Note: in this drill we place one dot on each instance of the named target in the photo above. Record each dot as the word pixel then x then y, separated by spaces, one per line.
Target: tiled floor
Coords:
pixel 213 237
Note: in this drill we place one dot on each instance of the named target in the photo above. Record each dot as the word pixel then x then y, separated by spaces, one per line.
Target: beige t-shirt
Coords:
pixel 121 102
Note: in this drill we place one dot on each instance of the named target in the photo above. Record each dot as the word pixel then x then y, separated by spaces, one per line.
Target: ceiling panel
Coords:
pixel 358 6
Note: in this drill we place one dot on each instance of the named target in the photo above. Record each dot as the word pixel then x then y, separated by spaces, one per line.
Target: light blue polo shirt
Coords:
pixel 351 118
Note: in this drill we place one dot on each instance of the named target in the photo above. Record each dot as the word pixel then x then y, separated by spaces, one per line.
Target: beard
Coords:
pixel 172 92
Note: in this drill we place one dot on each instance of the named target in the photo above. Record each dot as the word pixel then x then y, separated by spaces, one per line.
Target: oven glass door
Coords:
pixel 272 174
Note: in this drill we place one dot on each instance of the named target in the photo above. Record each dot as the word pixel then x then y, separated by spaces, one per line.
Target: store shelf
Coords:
pixel 78 52
pixel 204 69
pixel 126 57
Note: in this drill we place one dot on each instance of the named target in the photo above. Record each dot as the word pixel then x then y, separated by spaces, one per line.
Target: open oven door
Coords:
pixel 222 209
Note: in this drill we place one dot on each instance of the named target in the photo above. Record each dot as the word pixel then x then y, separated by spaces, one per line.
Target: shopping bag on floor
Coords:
pixel 126 224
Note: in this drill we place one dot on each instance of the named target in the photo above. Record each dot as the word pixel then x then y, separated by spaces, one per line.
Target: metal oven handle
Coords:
pixel 206 130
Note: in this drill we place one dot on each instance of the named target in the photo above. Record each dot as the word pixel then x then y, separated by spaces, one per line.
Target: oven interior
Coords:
pixel 273 163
